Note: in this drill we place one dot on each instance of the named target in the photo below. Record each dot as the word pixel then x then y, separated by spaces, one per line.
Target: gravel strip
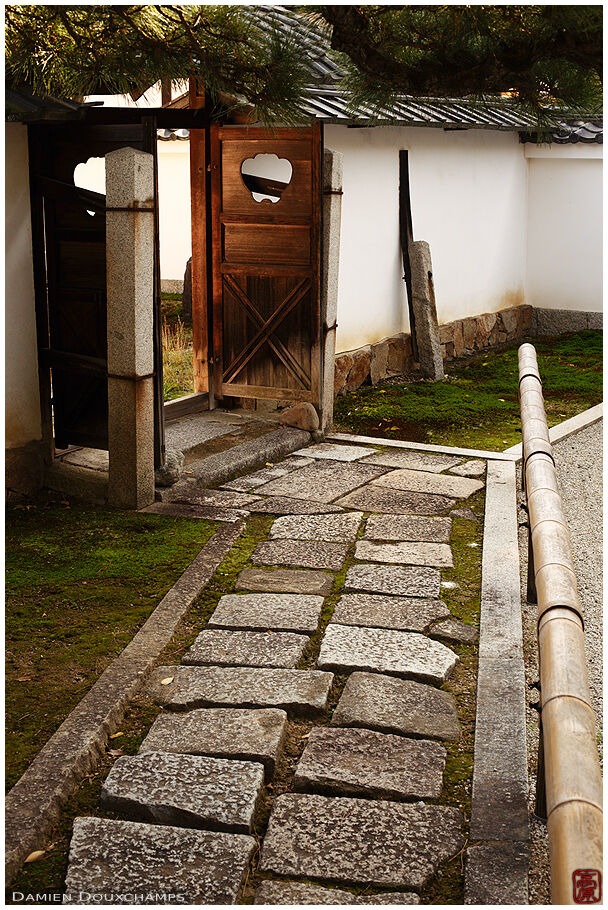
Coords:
pixel 579 469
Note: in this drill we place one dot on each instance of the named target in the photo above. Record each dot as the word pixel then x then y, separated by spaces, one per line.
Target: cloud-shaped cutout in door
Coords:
pixel 266 176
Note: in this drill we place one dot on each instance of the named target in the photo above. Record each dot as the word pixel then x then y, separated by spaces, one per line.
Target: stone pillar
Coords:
pixel 130 292
pixel 330 253
pixel 425 312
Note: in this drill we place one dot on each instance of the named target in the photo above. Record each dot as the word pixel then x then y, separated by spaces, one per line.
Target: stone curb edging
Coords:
pixel 34 804
pixel 422 447
pixel 498 858
pixel 566 428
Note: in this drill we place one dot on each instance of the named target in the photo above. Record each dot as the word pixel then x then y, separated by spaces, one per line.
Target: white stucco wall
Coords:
pixel 174 208
pixel 564 261
pixel 468 198
pixel 22 400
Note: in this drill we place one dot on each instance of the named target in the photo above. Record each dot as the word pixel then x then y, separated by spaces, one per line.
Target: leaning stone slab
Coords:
pixel 426 482
pixel 408 654
pixel 322 481
pixel 284 505
pixel 408 527
pixel 473 468
pixel 190 790
pixel 285 581
pixel 372 498
pixel 359 841
pixel 229 648
pixel 133 863
pixel 302 895
pixel 405 553
pixel 242 733
pixel 365 763
pixel 265 475
pixel 452 630
pixel 418 581
pixel 334 452
pixel 413 614
pixel 341 527
pixel 397 706
pixel 260 612
pixel 416 461
pixel 299 691
pixel 312 554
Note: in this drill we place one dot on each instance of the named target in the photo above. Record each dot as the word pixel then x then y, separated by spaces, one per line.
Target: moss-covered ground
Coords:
pixel 477 404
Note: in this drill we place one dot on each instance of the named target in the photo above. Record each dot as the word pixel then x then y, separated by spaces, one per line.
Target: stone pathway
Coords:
pixel 356 678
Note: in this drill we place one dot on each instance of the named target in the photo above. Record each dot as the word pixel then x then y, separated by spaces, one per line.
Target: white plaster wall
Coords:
pixel 174 207
pixel 468 197
pixel 564 262
pixel 22 399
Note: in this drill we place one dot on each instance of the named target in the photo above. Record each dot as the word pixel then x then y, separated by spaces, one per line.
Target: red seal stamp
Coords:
pixel 587 886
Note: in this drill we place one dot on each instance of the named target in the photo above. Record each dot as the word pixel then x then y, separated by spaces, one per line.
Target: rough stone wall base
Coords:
pixel 558 322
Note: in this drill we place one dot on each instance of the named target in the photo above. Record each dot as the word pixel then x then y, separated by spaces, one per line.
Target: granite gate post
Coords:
pixel 130 294
pixel 425 311
pixel 330 266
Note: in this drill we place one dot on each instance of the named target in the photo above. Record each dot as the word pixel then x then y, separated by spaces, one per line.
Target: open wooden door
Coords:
pixel 266 261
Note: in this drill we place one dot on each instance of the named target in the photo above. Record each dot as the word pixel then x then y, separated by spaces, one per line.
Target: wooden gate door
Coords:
pixel 266 260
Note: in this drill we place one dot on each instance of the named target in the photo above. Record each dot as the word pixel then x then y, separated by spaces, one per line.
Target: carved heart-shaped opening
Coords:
pixel 266 176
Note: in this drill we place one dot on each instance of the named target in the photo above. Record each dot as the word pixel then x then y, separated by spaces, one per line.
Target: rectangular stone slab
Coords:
pixel 359 841
pixel 408 654
pixel 302 895
pixel 260 612
pixel 473 468
pixel 397 706
pixel 226 647
pixel 298 691
pixel 243 733
pixel 287 581
pixel 192 510
pixel 415 461
pixel 284 505
pixel 341 527
pixel 191 790
pixel 353 762
pixel 405 553
pixel 426 482
pixel 322 481
pixel 265 475
pixel 135 863
pixel 312 554
pixel 408 527
pixel 372 498
pixel 334 451
pixel 221 498
pixel 404 581
pixel 381 612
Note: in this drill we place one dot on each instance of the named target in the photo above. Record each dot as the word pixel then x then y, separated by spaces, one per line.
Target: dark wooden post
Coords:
pixel 406 234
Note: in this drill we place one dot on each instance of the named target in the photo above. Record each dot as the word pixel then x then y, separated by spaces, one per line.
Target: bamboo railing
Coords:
pixel 568 759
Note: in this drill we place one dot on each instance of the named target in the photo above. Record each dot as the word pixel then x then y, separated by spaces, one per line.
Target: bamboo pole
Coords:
pixel 571 766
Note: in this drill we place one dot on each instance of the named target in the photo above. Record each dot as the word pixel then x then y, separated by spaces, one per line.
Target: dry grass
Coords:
pixel 178 377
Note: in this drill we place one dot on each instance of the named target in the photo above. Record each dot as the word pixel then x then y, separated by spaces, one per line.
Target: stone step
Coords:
pixel 405 553
pixel 408 527
pixel 285 505
pixel 359 841
pixel 302 895
pixel 298 691
pixel 335 452
pixel 407 654
pixel 415 461
pixel 426 482
pixel 353 762
pixel 403 581
pixel 186 790
pixel 286 581
pixel 311 554
pixel 397 706
pixel 225 647
pixel 322 481
pixel 261 612
pixel 342 528
pixel 192 510
pixel 372 498
pixel 265 475
pixel 241 733
pixel 379 611
pixel 134 863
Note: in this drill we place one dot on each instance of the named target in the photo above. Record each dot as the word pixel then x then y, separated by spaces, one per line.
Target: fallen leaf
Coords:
pixel 35 855
pixel 167 680
pixel 270 464
pixel 116 735
pixel 23 678
pixel 115 752
pixel 188 472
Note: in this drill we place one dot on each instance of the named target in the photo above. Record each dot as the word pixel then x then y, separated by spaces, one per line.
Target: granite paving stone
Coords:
pixel 190 790
pixel 285 581
pixel 243 733
pixel 341 527
pixel 193 510
pixel 334 452
pixel 359 841
pixel 222 498
pixel 452 630
pixel 391 651
pixel 404 581
pixel 408 527
pixel 303 894
pixel 227 647
pixel 322 481
pixel 284 505
pixel 473 468
pixel 397 706
pixel 261 612
pixel 353 762
pixel 300 691
pixel 135 863
pixel 372 498
pixel 312 554
pixel 405 553
pixel 265 475
pixel 415 461
pixel 413 614
pixel 426 482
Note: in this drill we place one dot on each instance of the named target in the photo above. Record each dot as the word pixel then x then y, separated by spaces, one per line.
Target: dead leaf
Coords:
pixel 35 855
pixel 23 678
pixel 270 464
pixel 115 752
pixel 167 680
pixel 116 735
